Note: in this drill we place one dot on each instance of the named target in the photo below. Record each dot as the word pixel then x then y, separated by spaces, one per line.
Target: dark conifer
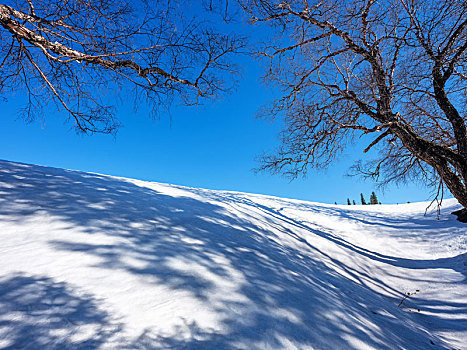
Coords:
pixel 362 199
pixel 373 198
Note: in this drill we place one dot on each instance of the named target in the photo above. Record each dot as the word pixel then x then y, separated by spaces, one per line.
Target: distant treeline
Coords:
pixel 373 200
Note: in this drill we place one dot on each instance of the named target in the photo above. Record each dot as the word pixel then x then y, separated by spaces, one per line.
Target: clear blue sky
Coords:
pixel 212 146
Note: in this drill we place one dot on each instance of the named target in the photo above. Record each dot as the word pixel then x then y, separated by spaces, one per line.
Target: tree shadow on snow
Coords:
pixel 288 298
pixel 40 313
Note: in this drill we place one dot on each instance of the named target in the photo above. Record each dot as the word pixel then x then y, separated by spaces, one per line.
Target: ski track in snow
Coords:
pixel 89 261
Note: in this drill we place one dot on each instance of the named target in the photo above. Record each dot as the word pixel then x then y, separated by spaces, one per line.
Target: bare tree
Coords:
pixel 396 69
pixel 72 52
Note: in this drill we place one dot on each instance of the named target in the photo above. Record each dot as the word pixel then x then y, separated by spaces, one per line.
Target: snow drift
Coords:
pixel 94 261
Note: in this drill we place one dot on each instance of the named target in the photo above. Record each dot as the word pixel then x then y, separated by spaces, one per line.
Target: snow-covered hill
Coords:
pixel 93 261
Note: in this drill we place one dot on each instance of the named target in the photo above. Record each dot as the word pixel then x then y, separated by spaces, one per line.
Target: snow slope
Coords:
pixel 92 261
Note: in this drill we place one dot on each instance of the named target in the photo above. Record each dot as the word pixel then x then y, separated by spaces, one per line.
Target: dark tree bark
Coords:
pixel 72 52
pixel 395 68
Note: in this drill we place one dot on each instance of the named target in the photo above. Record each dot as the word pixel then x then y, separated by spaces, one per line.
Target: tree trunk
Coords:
pixel 441 159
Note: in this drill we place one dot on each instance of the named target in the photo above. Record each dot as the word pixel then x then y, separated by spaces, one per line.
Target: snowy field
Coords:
pixel 90 261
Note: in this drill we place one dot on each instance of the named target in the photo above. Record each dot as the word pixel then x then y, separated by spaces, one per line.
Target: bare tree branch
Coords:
pixel 79 50
pixel 363 66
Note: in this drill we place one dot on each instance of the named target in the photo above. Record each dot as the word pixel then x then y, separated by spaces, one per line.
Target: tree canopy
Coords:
pixel 394 69
pixel 72 52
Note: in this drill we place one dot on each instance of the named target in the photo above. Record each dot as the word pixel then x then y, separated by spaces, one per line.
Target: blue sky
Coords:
pixel 212 146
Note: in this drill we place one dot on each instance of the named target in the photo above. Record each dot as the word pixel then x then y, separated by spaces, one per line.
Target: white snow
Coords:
pixel 93 261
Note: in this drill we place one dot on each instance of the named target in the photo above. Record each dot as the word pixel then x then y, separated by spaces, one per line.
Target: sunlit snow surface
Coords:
pixel 93 261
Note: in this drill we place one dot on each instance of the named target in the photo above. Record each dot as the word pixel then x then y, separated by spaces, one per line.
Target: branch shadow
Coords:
pixel 282 298
pixel 40 313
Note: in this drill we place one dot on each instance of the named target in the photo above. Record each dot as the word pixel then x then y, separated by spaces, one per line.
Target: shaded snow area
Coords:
pixel 89 261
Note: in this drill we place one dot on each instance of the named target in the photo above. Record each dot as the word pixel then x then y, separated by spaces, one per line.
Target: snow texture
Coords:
pixel 91 261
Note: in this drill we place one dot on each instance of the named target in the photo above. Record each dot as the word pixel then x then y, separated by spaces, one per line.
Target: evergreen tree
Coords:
pixel 353 201
pixel 348 201
pixel 362 199
pixel 373 198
